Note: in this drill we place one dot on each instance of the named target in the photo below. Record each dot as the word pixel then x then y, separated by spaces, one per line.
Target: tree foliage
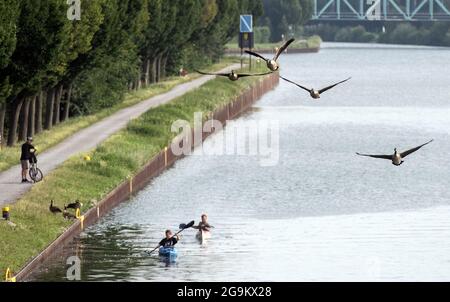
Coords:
pixel 54 67
pixel 9 10
pixel 283 16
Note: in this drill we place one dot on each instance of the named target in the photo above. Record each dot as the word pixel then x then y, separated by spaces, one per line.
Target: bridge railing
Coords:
pixel 384 10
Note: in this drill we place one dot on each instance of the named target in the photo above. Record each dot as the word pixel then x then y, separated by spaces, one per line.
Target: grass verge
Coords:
pixel 9 156
pixel 120 156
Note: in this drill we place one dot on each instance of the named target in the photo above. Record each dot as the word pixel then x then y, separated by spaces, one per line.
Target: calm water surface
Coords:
pixel 321 213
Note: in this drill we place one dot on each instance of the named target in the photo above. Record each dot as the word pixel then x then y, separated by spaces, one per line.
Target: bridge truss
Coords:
pixel 381 10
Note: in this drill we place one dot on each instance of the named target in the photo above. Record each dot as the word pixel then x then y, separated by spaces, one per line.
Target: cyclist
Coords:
pixel 27 156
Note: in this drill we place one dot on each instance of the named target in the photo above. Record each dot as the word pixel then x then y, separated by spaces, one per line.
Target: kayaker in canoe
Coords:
pixel 203 225
pixel 170 240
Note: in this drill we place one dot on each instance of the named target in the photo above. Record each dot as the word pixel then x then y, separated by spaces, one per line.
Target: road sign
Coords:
pixel 246 40
pixel 246 23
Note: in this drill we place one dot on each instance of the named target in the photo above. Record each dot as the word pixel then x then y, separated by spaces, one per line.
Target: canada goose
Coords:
pixel 54 209
pixel 396 158
pixel 315 94
pixel 272 64
pixel 76 205
pixel 68 215
pixel 233 75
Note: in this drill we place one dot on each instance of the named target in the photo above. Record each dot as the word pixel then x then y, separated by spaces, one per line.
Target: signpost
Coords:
pixel 246 24
pixel 246 36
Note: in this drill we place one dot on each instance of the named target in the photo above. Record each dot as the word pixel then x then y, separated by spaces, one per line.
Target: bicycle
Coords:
pixel 36 174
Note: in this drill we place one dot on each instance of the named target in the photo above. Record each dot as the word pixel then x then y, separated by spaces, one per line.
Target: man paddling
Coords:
pixel 170 240
pixel 203 225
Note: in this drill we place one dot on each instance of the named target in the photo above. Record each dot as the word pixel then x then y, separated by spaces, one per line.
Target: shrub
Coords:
pixel 262 34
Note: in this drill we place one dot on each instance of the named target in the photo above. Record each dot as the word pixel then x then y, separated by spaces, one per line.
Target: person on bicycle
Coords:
pixel 27 156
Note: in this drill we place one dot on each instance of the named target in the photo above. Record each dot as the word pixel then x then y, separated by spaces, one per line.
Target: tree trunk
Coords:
pixel 32 117
pixel 138 80
pixel 163 67
pixel 153 71
pixel 158 68
pixel 2 123
pixel 49 109
pixel 57 113
pixel 13 122
pixel 147 73
pixel 67 107
pixel 23 129
pixel 38 119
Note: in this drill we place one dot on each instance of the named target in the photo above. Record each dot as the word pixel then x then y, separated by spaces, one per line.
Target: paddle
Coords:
pixel 182 228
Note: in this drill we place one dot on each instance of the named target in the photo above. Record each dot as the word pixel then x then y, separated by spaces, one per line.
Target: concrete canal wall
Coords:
pixel 156 166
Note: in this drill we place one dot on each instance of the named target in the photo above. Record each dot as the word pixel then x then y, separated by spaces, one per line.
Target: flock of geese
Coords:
pixel 66 214
pixel 272 64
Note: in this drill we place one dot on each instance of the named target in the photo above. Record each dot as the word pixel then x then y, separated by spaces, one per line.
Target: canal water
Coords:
pixel 321 213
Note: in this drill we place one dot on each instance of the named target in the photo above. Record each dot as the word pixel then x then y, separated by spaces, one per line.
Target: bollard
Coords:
pixel 131 186
pixel 9 277
pixel 80 217
pixel 165 156
pixel 5 213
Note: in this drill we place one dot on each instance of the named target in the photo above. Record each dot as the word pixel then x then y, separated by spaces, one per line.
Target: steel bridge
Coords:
pixel 381 10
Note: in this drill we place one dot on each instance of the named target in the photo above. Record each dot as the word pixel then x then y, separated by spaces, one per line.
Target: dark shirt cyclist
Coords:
pixel 27 155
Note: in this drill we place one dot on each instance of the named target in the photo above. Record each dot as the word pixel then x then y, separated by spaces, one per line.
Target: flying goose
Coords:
pixel 396 158
pixel 272 64
pixel 54 209
pixel 233 75
pixel 315 94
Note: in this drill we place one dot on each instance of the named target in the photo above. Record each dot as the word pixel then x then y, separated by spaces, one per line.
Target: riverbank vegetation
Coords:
pixel 433 33
pixel 53 68
pixel 111 163
pixel 48 138
pixel 281 19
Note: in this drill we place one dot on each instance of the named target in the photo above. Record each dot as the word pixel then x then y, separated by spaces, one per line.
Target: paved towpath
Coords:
pixel 87 139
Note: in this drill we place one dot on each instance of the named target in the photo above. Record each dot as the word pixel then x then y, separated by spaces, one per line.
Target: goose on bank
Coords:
pixel 233 75
pixel 68 215
pixel 53 208
pixel 315 94
pixel 396 158
pixel 76 205
pixel 272 64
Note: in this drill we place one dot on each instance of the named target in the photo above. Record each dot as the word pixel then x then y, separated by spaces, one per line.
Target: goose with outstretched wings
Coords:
pixel 396 158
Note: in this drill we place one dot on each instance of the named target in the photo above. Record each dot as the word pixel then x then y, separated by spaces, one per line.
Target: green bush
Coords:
pixel 447 38
pixel 343 35
pixel 262 34
pixel 400 34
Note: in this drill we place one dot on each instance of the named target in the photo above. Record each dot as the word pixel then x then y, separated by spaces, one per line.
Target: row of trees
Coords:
pixel 283 17
pixel 52 67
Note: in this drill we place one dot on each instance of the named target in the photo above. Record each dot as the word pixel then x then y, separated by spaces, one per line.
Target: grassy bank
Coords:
pixel 312 42
pixel 9 155
pixel 112 162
